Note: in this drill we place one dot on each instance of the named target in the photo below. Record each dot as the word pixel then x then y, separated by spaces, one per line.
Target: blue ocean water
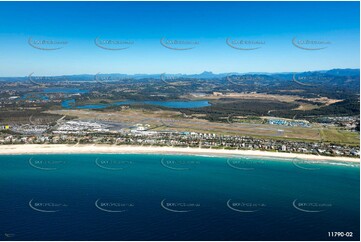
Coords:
pixel 168 104
pixel 175 197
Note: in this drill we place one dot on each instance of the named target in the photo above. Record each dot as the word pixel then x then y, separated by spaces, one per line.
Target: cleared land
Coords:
pixel 324 101
pixel 337 135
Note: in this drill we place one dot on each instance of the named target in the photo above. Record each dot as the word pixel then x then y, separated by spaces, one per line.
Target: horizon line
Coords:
pixel 211 72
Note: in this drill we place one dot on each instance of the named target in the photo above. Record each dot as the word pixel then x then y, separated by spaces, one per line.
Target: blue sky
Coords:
pixel 274 24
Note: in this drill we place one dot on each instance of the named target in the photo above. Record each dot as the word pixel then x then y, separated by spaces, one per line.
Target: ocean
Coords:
pixel 176 197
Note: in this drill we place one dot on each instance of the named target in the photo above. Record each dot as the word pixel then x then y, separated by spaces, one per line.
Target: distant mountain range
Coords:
pixel 203 75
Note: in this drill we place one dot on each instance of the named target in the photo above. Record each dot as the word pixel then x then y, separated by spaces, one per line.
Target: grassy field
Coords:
pixel 339 136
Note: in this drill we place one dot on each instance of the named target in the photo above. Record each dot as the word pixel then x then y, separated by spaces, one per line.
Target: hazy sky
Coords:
pixel 206 26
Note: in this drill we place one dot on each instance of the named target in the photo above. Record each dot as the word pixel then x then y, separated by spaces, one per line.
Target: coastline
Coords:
pixel 123 149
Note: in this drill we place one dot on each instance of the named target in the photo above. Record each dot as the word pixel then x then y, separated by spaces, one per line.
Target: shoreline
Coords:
pixel 127 149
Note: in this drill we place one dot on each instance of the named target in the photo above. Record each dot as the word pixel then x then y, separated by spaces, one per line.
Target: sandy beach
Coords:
pixel 113 149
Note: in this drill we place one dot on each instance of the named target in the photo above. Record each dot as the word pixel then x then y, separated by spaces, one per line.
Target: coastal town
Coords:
pixel 76 132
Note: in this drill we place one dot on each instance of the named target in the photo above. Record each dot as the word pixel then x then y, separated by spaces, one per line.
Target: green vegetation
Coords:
pixel 239 107
pixel 336 135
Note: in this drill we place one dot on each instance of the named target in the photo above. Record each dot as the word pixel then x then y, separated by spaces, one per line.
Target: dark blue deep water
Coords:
pixel 157 197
